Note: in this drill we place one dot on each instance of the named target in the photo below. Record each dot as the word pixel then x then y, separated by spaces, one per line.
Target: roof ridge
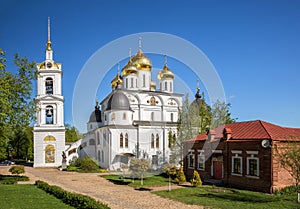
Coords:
pixel 262 123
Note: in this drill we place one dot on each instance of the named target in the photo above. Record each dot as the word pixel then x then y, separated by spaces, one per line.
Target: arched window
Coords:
pixel 157 141
pixel 121 141
pixel 49 86
pixel 152 140
pixel 102 157
pixel 99 155
pixel 131 83
pixel 126 140
pixel 98 137
pixel 144 80
pixel 124 115
pixel 172 117
pixel 126 85
pixel 170 86
pixel 152 116
pixel 49 154
pixel 166 85
pixel 49 114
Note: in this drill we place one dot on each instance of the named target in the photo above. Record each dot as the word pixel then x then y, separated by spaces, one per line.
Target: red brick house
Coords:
pixel 241 155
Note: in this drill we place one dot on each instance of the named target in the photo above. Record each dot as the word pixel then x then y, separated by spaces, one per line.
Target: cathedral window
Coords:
pixel 102 156
pixel 157 141
pixel 92 142
pixel 49 86
pixel 144 80
pixel 99 156
pixel 170 86
pixel 126 140
pixel 49 115
pixel 124 115
pixel 160 86
pixel 121 141
pixel 126 85
pixel 136 83
pixel 166 85
pixel 172 117
pixel 131 83
pixel 152 140
pixel 154 160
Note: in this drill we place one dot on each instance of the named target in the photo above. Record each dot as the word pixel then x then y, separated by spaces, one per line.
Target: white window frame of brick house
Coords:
pixel 201 155
pixel 236 155
pixel 191 154
pixel 253 156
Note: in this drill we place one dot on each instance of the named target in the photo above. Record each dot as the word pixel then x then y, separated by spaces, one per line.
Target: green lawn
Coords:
pixel 18 196
pixel 217 197
pixel 149 181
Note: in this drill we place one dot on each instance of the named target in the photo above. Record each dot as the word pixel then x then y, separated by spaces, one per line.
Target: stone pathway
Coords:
pixel 116 196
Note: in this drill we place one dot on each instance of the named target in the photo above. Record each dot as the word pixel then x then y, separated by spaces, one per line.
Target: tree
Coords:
pixel 22 143
pixel 180 177
pixel 16 103
pixel 139 167
pixel 72 133
pixel 221 114
pixel 196 180
pixel 289 158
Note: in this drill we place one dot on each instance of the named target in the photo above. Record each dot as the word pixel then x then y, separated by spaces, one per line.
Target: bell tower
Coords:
pixel 49 129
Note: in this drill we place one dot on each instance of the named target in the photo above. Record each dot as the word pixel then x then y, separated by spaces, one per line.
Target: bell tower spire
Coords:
pixel 49 52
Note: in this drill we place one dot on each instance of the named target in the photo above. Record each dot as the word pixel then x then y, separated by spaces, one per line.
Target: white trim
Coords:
pixel 252 152
pixel 201 154
pixel 236 151
pixel 217 151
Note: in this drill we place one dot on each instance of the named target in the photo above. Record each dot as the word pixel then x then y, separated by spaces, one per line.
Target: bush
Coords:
pixel 180 177
pixel 196 180
pixel 12 179
pixel 85 164
pixel 72 199
pixel 17 169
pixel 288 190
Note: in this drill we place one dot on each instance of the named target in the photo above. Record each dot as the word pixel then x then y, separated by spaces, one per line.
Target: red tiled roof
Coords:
pixel 254 130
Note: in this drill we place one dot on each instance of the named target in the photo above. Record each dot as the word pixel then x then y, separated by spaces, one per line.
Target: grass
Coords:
pixel 216 197
pixel 149 181
pixel 27 197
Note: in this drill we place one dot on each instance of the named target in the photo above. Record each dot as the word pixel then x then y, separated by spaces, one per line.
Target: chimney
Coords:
pixel 227 133
pixel 211 135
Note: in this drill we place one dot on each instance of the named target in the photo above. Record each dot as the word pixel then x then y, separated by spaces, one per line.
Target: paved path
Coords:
pixel 116 196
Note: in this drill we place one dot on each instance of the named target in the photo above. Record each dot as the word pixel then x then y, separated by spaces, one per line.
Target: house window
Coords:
pixel 252 166
pixel 131 82
pixel 126 140
pixel 124 115
pixel 144 80
pixel 121 141
pixel 191 159
pixel 157 141
pixel 152 140
pixel 201 160
pixel 172 117
pixel 49 86
pixel 236 164
pixel 49 115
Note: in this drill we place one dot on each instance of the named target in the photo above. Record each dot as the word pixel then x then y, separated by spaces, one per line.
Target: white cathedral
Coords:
pixel 134 120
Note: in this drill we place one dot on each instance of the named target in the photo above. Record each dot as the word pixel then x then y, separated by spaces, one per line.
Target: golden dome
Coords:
pixel 129 69
pixel 165 73
pixel 116 81
pixel 152 85
pixel 141 61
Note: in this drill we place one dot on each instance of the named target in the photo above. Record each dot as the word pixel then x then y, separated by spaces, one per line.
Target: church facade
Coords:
pixel 135 119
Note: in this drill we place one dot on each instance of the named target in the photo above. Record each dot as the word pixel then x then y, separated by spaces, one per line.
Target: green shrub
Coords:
pixel 180 177
pixel 12 179
pixel 72 199
pixel 17 169
pixel 287 190
pixel 88 164
pixel 196 180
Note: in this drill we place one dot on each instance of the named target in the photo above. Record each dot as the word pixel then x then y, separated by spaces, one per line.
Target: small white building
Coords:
pixel 135 119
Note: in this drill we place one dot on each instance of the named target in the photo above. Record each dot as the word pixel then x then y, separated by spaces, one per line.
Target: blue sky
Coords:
pixel 254 45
